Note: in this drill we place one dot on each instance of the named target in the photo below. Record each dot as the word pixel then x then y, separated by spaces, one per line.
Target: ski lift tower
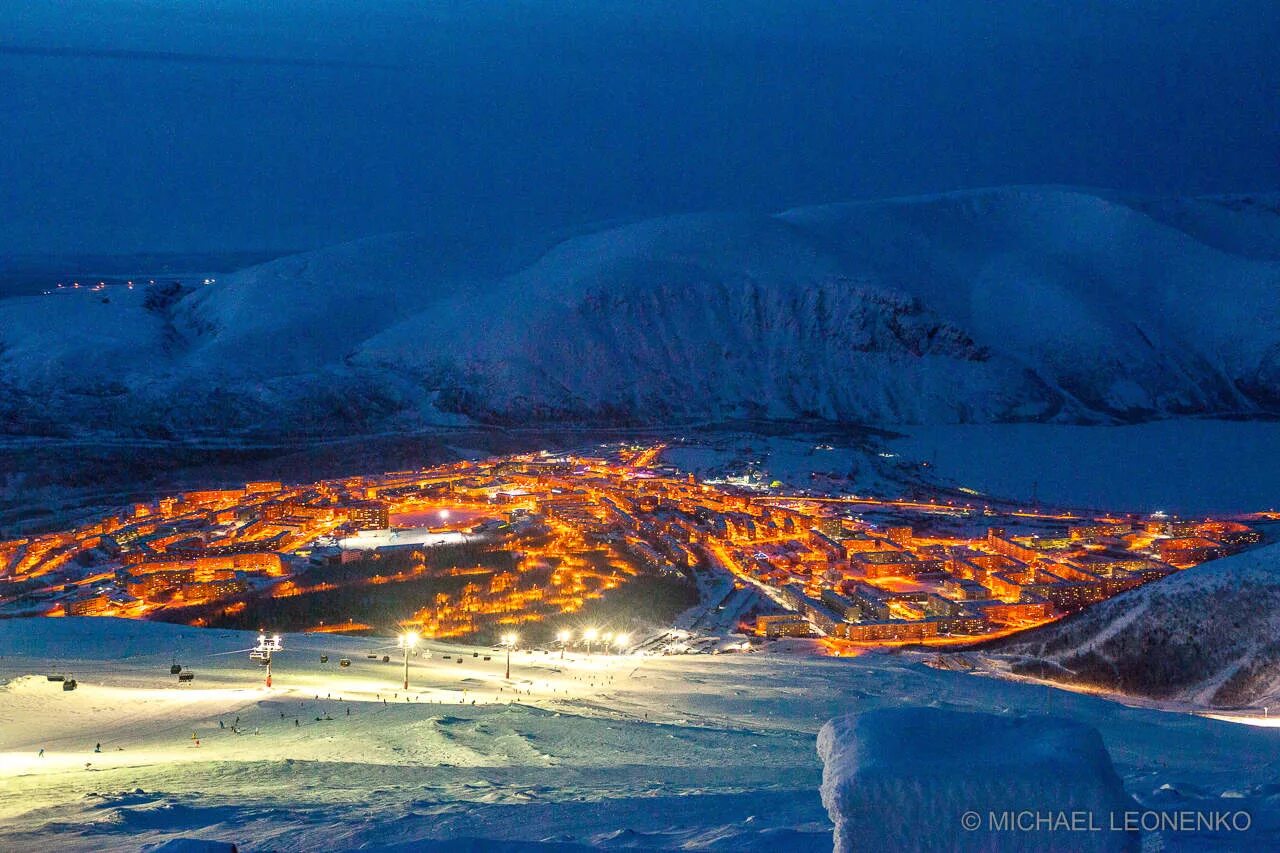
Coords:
pixel 263 651
pixel 408 640
pixel 509 641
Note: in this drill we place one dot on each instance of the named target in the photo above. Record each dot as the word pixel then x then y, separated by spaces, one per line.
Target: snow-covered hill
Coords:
pixel 994 305
pixel 1206 636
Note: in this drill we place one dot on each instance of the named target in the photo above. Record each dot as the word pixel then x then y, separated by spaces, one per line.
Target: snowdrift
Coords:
pixel 932 779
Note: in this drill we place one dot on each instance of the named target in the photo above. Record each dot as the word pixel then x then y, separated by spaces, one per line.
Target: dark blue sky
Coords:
pixel 134 125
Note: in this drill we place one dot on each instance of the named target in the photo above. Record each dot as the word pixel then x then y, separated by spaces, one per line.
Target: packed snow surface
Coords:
pixel 659 753
pixel 371 539
pixel 889 774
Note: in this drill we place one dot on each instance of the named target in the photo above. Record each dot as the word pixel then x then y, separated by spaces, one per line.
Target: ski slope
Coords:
pixel 690 752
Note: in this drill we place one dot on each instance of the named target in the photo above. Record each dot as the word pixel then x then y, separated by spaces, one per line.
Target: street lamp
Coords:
pixel 408 640
pixel 509 640
pixel 621 641
pixel 590 636
pixel 564 637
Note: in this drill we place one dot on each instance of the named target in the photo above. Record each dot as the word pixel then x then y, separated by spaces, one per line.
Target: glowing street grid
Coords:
pixel 540 535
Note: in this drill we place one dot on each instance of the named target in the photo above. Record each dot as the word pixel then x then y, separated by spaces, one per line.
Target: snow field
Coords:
pixel 693 752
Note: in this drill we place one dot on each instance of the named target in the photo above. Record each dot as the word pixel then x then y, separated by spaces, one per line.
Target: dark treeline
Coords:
pixel 387 563
pixel 355 599
pixel 381 606
pixel 363 593
pixel 645 602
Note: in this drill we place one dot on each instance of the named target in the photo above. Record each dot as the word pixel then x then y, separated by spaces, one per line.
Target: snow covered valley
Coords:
pixel 692 752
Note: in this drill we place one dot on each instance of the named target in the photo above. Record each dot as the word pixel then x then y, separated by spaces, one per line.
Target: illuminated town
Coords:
pixel 557 427
pixel 533 539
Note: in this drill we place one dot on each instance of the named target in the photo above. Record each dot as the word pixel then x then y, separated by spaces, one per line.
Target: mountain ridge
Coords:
pixel 1002 304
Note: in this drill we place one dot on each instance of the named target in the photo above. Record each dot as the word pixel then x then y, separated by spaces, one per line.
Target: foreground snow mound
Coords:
pixel 1205 637
pixel 931 779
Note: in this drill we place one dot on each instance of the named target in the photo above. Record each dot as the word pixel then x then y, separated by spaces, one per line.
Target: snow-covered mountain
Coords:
pixel 992 305
pixel 1207 636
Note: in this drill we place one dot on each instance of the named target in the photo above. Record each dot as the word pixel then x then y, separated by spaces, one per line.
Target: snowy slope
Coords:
pixel 700 317
pixel 1246 225
pixel 656 753
pixel 1205 636
pixel 1111 306
pixel 993 305
pixel 295 314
